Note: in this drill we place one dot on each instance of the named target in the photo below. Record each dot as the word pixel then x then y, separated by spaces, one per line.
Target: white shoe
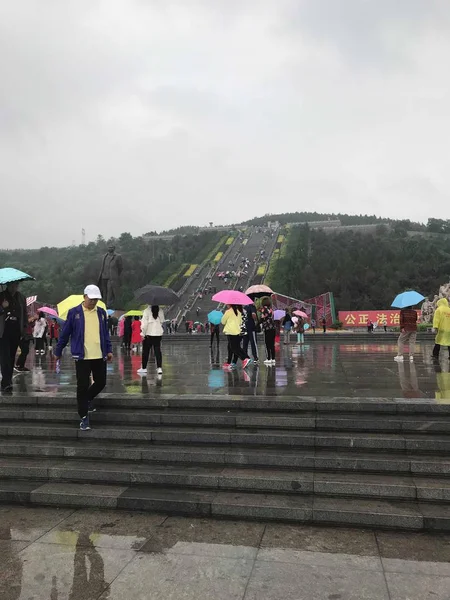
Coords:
pixel 159 371
pixel 273 361
pixel 142 371
pixel 411 358
pixel 267 362
pixel 398 358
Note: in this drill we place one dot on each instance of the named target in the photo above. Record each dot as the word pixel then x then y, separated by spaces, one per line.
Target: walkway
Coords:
pixel 65 554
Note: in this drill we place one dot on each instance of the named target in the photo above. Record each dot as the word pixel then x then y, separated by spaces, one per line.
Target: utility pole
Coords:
pixel 83 237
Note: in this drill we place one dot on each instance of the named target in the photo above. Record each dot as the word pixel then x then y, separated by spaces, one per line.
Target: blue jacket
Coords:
pixel 74 328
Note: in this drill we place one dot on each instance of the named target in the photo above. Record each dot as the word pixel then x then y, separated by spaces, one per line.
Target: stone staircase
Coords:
pixel 367 462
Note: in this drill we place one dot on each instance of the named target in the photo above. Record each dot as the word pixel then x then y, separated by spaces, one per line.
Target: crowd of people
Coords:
pixel 89 330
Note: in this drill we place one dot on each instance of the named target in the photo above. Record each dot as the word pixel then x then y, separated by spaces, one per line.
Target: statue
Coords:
pixel 429 306
pixel 109 278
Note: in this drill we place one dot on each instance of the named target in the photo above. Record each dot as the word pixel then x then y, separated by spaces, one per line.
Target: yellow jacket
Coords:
pixel 443 393
pixel 441 322
pixel 231 322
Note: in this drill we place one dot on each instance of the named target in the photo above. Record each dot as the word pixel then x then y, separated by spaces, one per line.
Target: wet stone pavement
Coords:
pixel 54 554
pixel 89 554
pixel 319 368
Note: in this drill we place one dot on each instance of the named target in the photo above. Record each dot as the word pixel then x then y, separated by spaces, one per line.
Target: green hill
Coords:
pixel 63 271
pixel 363 270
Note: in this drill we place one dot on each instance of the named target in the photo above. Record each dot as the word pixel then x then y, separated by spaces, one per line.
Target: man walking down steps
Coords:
pixel 87 326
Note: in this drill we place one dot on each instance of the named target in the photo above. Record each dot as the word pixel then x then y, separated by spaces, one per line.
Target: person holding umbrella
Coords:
pixel 152 321
pixel 13 322
pixel 152 331
pixel 87 328
pixel 408 322
pixel 232 326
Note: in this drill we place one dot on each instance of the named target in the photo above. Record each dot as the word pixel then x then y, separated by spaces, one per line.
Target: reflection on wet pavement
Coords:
pixel 316 368
pixel 89 554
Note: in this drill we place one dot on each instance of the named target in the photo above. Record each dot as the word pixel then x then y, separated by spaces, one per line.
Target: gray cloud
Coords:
pixel 121 115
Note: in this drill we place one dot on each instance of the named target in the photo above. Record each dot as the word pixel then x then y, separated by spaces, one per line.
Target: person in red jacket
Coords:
pixel 53 332
pixel 136 337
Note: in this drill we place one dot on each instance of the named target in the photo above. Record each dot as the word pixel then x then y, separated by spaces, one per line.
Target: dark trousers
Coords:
pixel 86 392
pixel 39 344
pixel 236 349
pixel 8 348
pixel 437 349
pixel 251 338
pixel 24 346
pixel 269 340
pixel 149 342
pixel 229 350
pixel 214 333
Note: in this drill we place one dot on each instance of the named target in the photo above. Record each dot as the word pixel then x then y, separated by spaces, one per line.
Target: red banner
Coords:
pixel 361 318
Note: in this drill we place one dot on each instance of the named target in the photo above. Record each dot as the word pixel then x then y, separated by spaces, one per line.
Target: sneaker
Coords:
pixel 21 369
pixel 84 423
pixel 398 358
pixel 256 361
pixel 37 352
pixel 159 370
pixel 226 366
pixel 232 366
pixel 246 362
pixel 42 352
pixel 142 371
pixel 411 358
pixel 91 408
pixel 267 362
pixel 273 361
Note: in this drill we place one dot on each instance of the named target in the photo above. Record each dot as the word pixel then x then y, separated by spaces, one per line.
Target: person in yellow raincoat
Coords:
pixel 441 323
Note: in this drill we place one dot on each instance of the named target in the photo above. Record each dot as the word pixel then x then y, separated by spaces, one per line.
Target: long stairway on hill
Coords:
pixel 253 240
pixel 377 462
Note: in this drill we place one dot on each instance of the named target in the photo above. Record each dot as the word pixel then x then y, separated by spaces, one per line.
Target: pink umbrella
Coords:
pixel 51 312
pixel 232 297
pixel 300 313
pixel 279 314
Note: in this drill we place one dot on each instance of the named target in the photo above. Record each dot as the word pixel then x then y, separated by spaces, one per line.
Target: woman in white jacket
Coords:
pixel 152 331
pixel 40 326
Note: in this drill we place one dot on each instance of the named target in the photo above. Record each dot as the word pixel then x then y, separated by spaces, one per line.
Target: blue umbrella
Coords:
pixel 215 317
pixel 10 275
pixel 409 298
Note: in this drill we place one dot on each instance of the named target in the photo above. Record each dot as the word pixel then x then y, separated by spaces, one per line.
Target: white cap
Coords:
pixel 92 291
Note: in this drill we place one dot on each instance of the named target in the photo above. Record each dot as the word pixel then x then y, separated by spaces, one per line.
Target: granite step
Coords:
pixel 387 406
pixel 131 433
pixel 233 455
pixel 223 421
pixel 389 514
pixel 216 477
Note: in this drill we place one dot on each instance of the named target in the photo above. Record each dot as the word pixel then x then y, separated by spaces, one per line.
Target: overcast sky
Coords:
pixel 136 115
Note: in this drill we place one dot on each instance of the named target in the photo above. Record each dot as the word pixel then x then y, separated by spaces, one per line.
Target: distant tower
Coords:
pixel 83 237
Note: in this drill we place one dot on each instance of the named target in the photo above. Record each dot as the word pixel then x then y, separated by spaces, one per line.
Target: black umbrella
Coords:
pixel 155 295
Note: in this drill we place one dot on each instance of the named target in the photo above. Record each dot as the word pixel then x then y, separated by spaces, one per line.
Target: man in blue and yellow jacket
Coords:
pixel 90 344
